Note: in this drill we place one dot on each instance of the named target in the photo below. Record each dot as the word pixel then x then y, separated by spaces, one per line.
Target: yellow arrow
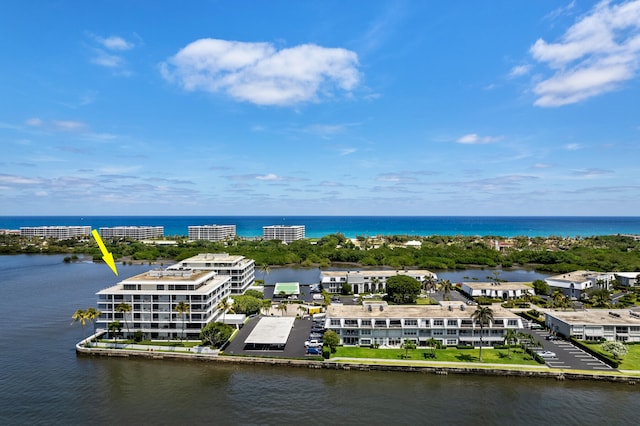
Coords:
pixel 106 255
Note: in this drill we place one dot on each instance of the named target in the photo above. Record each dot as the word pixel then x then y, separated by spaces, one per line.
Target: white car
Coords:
pixel 313 343
pixel 546 354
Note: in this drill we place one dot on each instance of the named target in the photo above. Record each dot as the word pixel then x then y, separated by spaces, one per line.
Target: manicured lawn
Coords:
pixel 426 301
pixel 631 360
pixel 494 356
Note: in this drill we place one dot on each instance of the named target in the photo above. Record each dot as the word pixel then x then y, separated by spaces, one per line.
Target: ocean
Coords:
pixel 43 382
pixel 352 226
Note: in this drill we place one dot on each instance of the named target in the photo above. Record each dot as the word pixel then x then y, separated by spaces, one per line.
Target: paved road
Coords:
pixel 568 355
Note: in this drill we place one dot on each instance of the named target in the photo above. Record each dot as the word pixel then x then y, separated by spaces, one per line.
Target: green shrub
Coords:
pixel 138 336
pixel 464 346
pixel 326 352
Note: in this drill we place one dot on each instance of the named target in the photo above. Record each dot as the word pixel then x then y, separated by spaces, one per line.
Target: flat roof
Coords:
pixel 597 317
pixel 271 331
pixel 511 285
pixel 576 276
pixel 380 272
pixel 172 275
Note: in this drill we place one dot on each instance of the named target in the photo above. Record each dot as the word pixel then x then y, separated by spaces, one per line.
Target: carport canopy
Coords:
pixel 271 332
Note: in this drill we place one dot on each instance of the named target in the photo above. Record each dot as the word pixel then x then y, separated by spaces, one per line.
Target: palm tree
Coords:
pixel 80 315
pixel 265 269
pixel 114 328
pixel 93 314
pixel 433 343
pixel 510 338
pixel 266 304
pixel 282 307
pixel 303 309
pixel 429 283
pixel 446 287
pixel 182 308
pixel 223 305
pixel 482 315
pixel 124 309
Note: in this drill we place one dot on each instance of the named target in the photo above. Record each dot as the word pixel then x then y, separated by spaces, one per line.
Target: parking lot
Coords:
pixel 294 348
pixel 567 355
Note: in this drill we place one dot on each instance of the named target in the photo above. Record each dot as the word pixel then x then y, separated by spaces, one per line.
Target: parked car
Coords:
pixel 546 354
pixel 317 336
pixel 313 343
pixel 314 351
pixel 552 337
pixel 536 326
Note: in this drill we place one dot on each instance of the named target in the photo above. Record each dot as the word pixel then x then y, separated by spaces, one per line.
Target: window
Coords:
pixel 512 323
pixel 452 323
pixel 335 322
pixel 438 322
pixel 438 332
pixel 451 332
pixel 451 341
pixel 366 322
pixel 412 322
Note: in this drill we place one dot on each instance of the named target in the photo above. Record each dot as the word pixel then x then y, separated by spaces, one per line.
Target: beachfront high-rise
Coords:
pixel 57 232
pixel 284 233
pixel 134 232
pixel 153 297
pixel 240 269
pixel 212 232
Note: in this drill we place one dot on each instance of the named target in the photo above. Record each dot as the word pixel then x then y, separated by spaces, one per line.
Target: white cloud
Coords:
pixel 107 60
pixel 347 151
pixel 34 122
pixel 595 55
pixel 261 74
pixel 115 43
pixel 572 147
pixel 519 70
pixel 475 139
pixel 542 166
pixel 269 176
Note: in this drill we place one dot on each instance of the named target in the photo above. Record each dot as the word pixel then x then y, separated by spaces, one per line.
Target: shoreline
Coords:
pixel 354 364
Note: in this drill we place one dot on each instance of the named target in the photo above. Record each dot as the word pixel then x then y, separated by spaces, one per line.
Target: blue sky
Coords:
pixel 320 108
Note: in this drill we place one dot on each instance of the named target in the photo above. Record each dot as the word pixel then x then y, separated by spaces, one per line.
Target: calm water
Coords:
pixel 43 382
pixel 351 226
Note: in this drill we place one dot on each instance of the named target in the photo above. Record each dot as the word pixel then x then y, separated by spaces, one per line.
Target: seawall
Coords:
pixel 350 366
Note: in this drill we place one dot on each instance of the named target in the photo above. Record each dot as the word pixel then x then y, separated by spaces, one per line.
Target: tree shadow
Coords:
pixel 466 358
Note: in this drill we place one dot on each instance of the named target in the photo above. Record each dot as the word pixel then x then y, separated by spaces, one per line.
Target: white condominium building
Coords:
pixel 153 297
pixel 284 233
pixel 240 269
pixel 450 323
pixel 212 232
pixel 367 281
pixel 57 232
pixel 134 232
pixel 596 324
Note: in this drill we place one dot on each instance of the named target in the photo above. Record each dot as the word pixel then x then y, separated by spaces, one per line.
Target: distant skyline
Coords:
pixel 320 108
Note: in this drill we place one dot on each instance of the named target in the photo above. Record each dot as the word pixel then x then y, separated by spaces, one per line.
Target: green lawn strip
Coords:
pixel 631 361
pixel 453 355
